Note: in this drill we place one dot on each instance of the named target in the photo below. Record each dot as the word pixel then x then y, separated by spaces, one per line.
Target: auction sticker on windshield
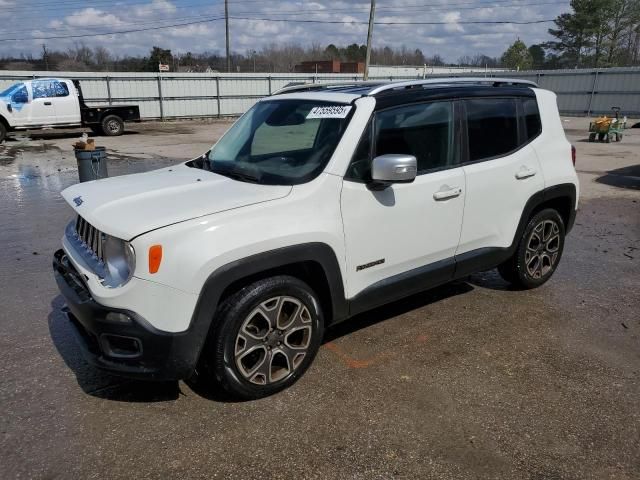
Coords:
pixel 333 111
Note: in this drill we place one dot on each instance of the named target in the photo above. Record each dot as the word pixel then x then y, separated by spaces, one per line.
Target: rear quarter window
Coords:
pixel 531 117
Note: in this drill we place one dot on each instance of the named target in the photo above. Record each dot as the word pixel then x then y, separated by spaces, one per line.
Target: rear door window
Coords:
pixel 49 89
pixel 492 127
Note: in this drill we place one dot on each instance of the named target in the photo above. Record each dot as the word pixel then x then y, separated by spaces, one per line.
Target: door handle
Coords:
pixel 447 192
pixel 525 172
pixel 47 103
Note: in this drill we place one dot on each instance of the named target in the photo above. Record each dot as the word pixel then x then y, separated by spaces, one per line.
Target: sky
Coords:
pixel 255 24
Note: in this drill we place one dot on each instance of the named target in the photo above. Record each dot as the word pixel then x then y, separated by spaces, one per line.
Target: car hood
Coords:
pixel 130 205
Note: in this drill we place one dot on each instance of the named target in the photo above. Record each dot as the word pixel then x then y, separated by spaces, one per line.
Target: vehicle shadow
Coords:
pixel 354 324
pixel 95 382
pixel 626 177
pixel 102 385
pixel 394 309
pixel 491 280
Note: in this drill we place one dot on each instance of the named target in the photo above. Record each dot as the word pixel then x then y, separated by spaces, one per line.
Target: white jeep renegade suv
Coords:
pixel 321 202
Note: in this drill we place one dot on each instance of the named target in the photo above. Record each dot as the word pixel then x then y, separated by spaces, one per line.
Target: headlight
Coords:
pixel 119 261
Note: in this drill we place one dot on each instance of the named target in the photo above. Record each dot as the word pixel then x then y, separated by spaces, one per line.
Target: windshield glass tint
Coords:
pixel 10 90
pixel 280 142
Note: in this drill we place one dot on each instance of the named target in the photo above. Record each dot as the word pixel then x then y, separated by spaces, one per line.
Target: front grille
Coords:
pixel 92 238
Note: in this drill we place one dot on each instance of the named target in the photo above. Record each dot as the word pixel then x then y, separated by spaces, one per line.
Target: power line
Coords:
pixel 60 28
pixel 51 33
pixel 63 27
pixel 353 9
pixel 334 22
pixel 101 34
pixel 356 22
pixel 83 5
pixel 449 6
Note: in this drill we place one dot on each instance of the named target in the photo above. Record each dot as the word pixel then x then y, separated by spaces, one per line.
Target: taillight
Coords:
pixel 573 155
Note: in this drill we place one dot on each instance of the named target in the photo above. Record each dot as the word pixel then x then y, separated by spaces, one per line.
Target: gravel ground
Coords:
pixel 470 380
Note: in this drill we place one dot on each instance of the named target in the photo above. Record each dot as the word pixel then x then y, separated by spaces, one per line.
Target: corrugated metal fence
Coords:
pixel 188 95
pixel 589 91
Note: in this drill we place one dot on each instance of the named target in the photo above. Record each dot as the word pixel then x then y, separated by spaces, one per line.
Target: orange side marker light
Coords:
pixel 155 257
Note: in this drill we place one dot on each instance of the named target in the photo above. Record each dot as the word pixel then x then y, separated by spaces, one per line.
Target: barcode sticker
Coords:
pixel 334 111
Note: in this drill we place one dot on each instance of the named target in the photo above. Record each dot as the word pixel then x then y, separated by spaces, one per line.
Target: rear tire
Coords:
pixel 538 252
pixel 265 337
pixel 112 125
pixel 3 132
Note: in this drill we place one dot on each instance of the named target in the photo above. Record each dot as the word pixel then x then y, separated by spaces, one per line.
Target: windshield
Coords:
pixel 280 142
pixel 10 90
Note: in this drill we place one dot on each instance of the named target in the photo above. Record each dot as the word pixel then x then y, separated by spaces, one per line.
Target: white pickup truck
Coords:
pixel 58 103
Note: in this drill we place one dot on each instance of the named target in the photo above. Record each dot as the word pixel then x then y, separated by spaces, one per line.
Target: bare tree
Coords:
pixel 103 58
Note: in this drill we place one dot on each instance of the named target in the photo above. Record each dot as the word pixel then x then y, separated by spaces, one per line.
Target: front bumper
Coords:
pixel 130 347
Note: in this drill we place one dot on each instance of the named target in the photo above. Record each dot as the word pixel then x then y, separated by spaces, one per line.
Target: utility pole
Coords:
pixel 45 57
pixel 226 26
pixel 372 13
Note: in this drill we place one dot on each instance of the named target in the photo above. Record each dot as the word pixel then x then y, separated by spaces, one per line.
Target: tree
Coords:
pixel 537 56
pixel 156 56
pixel 102 57
pixel 624 19
pixel 597 33
pixel 355 52
pixel 332 52
pixel 436 61
pixel 517 56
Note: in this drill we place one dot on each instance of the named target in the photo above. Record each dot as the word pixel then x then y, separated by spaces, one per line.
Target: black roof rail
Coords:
pixel 313 87
pixel 496 82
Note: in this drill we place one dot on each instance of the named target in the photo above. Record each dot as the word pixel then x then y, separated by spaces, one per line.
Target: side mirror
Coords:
pixel 392 168
pixel 20 97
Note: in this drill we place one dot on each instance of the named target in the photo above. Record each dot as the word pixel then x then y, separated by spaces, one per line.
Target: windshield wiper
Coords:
pixel 238 175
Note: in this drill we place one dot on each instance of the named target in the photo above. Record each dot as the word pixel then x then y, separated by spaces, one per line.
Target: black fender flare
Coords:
pixel 107 112
pixel 490 257
pixel 562 190
pixel 225 276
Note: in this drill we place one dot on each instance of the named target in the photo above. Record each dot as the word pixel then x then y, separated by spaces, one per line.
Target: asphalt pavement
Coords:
pixel 470 380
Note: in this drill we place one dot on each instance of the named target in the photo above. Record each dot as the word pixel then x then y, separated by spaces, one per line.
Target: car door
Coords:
pixel 43 104
pixel 502 173
pixel 66 105
pixel 400 237
pixel 18 105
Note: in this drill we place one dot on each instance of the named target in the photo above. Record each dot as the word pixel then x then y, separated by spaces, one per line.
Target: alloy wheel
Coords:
pixel 113 126
pixel 273 340
pixel 543 247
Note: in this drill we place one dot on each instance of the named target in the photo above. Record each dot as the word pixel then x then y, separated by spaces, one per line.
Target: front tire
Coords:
pixel 266 336
pixel 112 125
pixel 538 252
pixel 3 132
